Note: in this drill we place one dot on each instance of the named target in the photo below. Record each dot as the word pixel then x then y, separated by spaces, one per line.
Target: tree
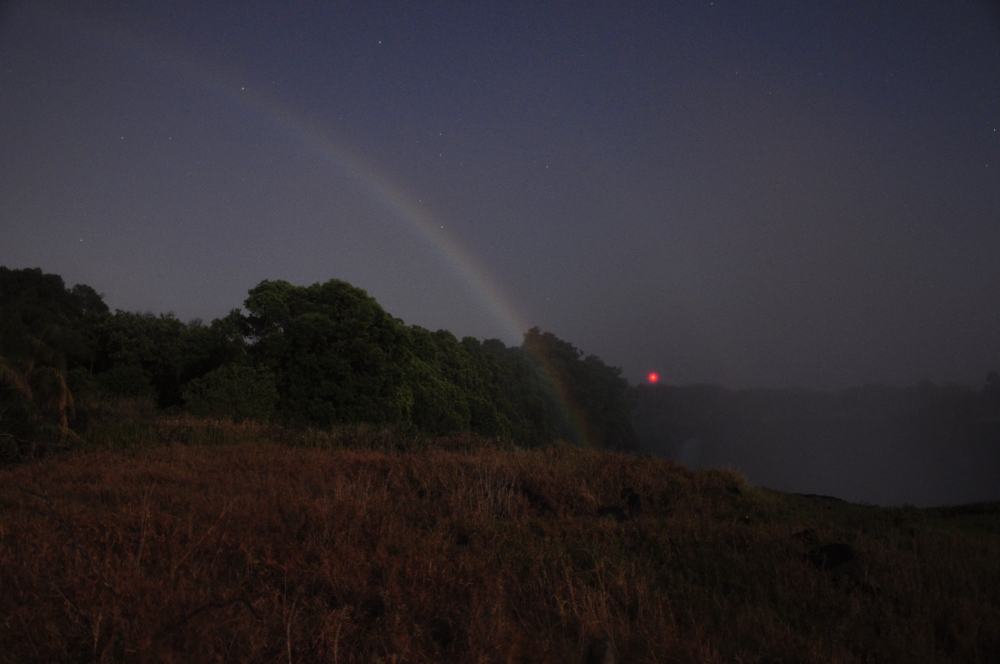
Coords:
pixel 42 345
pixel 597 403
pixel 141 354
pixel 333 351
pixel 234 391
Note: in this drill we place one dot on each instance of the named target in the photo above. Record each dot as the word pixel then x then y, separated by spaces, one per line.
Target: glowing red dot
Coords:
pixel 653 376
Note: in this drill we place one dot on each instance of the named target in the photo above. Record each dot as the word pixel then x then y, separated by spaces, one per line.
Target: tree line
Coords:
pixel 320 355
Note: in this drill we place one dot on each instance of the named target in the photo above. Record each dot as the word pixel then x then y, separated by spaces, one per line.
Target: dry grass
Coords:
pixel 259 553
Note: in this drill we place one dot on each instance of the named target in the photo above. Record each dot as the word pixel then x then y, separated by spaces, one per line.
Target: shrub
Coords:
pixel 234 391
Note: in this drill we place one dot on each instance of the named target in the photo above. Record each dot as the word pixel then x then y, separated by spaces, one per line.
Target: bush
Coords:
pixel 126 381
pixel 235 391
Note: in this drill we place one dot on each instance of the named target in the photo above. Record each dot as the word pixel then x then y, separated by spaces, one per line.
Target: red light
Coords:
pixel 653 376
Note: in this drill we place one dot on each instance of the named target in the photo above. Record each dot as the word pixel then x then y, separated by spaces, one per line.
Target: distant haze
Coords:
pixel 923 445
pixel 754 194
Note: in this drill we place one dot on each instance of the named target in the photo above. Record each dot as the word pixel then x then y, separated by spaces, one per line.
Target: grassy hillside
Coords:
pixel 210 543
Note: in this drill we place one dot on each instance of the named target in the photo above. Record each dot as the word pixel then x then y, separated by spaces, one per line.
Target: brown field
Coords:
pixel 460 552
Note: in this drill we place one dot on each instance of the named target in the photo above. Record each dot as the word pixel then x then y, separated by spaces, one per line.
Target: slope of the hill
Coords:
pixel 258 552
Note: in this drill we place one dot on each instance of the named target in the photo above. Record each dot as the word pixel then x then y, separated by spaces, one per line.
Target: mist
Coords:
pixel 924 445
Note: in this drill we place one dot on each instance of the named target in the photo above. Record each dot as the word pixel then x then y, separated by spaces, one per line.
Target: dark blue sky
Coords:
pixel 755 194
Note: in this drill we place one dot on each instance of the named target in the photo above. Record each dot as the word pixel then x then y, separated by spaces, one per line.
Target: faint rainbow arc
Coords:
pixel 380 188
pixel 391 196
pixel 320 142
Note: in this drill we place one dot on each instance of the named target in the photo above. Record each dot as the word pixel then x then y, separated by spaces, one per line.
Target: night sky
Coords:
pixel 751 194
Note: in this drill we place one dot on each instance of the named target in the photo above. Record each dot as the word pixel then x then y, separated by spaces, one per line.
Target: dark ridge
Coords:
pixel 819 497
pixel 972 509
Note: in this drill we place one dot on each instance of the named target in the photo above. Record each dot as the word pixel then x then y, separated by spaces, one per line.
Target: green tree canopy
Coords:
pixel 321 355
pixel 141 354
pixel 41 343
pixel 595 398
pixel 333 350
pixel 234 391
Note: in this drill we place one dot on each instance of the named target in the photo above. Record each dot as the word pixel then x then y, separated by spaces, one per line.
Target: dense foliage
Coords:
pixel 319 355
pixel 328 354
pixel 43 352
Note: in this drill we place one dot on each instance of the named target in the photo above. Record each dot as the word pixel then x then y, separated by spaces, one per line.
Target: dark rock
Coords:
pixel 535 499
pixel 617 513
pixel 372 609
pixel 831 556
pixel 633 503
pixel 601 651
pixel 442 633
pixel 807 537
